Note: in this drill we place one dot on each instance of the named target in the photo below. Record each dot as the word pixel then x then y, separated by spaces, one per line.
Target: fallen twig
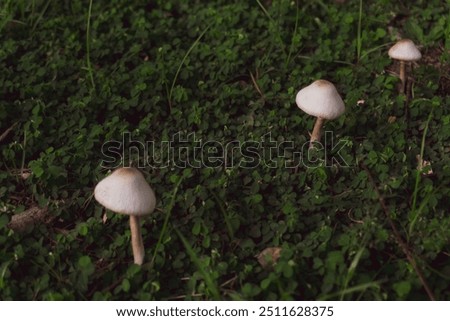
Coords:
pixel 6 132
pixel 255 84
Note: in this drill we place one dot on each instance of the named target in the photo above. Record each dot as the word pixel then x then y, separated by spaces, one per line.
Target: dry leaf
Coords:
pixel 392 119
pixel 269 257
pixel 34 215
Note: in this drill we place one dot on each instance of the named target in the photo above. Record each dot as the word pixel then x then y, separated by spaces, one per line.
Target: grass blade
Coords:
pixel 353 289
pixel 166 219
pixel 226 217
pixel 41 15
pixel 212 287
pixel 88 46
pixel 291 48
pixel 359 36
pixel 275 25
pixel 264 10
pixel 352 268
pixel 415 213
pixel 175 78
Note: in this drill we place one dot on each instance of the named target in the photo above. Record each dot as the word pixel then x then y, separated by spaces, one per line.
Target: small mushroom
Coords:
pixel 126 191
pixel 320 99
pixel 405 51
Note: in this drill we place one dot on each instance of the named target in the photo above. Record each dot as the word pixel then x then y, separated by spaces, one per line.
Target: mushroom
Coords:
pixel 405 51
pixel 126 191
pixel 320 99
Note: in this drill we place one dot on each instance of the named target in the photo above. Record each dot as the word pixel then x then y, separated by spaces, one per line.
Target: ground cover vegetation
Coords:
pixel 368 221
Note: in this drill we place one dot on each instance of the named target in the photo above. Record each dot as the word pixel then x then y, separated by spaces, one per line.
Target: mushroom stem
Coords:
pixel 315 136
pixel 403 76
pixel 136 239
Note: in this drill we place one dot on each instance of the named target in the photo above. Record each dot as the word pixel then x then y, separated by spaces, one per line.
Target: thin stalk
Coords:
pixel 352 268
pixel 415 213
pixel 175 78
pixel 403 246
pixel 88 45
pixel 276 24
pixel 291 48
pixel 3 273
pixel 207 277
pixel 5 15
pixel 22 165
pixel 359 36
pixel 6 132
pixel 41 15
pixel 323 60
pixel 264 10
pixel 356 288
pixel 367 52
pixel 226 217
pixel 166 220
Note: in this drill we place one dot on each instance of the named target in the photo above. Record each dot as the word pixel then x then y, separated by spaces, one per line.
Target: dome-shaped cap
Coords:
pixel 126 191
pixel 320 99
pixel 405 50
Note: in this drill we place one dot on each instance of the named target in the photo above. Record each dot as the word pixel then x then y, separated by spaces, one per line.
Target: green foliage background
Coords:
pixel 226 70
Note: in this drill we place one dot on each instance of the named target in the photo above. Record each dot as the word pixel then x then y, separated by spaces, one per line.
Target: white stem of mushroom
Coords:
pixel 315 136
pixel 136 239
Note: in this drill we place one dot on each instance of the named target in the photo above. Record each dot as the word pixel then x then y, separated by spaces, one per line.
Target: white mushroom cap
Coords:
pixel 320 99
pixel 126 191
pixel 405 50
